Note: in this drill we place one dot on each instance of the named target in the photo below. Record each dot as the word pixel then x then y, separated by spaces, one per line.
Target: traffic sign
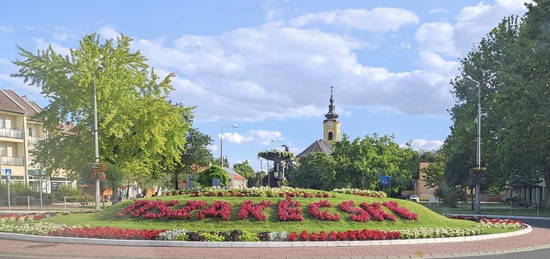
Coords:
pixel 385 180
pixel 6 171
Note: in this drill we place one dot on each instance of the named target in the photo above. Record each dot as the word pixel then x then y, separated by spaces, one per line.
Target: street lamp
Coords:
pixel 221 140
pixel 96 138
pixel 478 187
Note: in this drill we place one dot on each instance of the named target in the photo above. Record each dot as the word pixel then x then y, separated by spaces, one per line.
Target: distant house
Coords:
pixel 235 180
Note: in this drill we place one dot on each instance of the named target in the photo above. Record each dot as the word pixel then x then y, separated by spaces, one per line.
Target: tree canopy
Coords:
pixel 512 66
pixel 140 131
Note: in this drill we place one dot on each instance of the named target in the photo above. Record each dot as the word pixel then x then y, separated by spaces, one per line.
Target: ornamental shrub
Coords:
pixel 250 237
pixel 211 237
pixel 205 177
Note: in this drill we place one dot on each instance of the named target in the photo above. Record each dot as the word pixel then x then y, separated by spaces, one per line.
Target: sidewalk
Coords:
pixel 537 239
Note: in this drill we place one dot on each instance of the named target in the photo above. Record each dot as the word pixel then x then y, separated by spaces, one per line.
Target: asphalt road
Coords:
pixel 536 254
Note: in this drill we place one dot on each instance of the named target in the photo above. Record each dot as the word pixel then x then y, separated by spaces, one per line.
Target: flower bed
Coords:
pixel 366 193
pixel 253 192
pixel 289 210
pixel 358 214
pixel 402 212
pixel 314 210
pixel 248 208
pixel 28 225
pixel 106 233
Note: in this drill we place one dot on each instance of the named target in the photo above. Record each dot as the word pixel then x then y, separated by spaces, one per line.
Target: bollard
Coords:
pixel 28 204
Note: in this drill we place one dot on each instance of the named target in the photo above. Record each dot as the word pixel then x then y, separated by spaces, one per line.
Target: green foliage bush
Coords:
pixel 205 178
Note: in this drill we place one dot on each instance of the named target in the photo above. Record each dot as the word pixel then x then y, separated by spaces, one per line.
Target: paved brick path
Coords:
pixel 538 238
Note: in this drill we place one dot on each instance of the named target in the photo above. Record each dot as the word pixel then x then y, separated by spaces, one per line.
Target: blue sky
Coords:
pixel 268 65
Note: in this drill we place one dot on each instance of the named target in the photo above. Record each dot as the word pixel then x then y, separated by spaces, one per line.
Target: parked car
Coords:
pixel 414 198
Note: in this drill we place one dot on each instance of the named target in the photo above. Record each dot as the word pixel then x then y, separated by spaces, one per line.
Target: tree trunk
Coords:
pixel 176 179
pixel 547 185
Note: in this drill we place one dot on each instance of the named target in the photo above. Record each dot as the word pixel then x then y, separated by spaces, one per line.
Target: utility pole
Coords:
pixel 478 185
pixel 221 140
pixel 96 140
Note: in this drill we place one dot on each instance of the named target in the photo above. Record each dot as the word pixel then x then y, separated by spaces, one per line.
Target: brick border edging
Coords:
pixel 495 216
pixel 160 243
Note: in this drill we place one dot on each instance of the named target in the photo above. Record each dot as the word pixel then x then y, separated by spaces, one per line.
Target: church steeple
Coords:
pixel 331 126
pixel 331 115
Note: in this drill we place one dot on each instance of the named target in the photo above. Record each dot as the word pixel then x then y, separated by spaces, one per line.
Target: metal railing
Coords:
pixel 32 140
pixel 11 133
pixel 9 160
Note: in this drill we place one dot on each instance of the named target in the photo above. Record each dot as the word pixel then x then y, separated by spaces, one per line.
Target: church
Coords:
pixel 331 132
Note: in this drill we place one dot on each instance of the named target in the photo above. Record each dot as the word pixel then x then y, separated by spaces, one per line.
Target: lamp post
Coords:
pixel 96 139
pixel 221 140
pixel 478 185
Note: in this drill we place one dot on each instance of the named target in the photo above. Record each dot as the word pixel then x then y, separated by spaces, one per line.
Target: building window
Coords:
pixel 32 132
pixel 3 150
pixel 2 123
pixel 330 135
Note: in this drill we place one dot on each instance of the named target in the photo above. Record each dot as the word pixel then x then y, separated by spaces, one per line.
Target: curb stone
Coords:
pixel 156 243
pixel 496 216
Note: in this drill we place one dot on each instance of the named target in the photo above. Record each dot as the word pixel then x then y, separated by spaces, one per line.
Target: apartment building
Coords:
pixel 18 135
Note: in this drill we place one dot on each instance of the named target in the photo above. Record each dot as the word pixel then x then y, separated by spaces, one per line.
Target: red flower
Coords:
pixel 376 211
pixel 107 232
pixel 247 208
pixel 322 215
pixel 402 212
pixel 292 236
pixel 358 214
pixel 304 236
pixel 289 210
pixel 220 209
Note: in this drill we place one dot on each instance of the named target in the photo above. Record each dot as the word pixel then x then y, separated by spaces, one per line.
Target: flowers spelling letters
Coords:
pixel 248 208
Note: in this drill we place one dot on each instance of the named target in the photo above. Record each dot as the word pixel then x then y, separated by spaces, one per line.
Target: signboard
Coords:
pixel 6 171
pixel 216 182
pixel 385 180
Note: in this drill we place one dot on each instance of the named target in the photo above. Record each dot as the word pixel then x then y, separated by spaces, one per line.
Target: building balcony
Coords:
pixel 32 140
pixel 10 160
pixel 11 133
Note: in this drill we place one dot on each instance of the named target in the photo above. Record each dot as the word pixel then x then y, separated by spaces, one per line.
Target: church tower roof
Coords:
pixel 331 115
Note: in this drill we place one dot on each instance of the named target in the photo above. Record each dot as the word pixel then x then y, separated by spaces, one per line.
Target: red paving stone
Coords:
pixel 538 237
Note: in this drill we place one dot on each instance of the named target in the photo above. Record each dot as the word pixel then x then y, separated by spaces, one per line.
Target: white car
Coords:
pixel 414 198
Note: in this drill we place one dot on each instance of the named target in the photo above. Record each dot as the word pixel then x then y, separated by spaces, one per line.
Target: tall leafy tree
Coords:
pixel 316 171
pixel 195 154
pixel 244 169
pixel 140 131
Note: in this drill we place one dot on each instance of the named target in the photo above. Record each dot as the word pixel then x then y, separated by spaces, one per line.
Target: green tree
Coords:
pixel 194 155
pixel 140 131
pixel 316 171
pixel 244 169
pixel 512 64
pixel 434 173
pixel 205 177
pixel 361 162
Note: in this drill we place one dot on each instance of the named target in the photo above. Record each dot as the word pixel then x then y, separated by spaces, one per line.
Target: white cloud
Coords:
pixel 276 71
pixel 63 36
pixel 234 137
pixel 472 23
pixel 108 32
pixel 266 136
pixel 435 62
pixel 212 148
pixel 42 44
pixel 377 19
pixel 437 37
pixel 4 28
pixel 426 145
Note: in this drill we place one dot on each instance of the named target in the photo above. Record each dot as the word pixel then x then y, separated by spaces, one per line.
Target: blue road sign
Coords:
pixel 6 171
pixel 385 180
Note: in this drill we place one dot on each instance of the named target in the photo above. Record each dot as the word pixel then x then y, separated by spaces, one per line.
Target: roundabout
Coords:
pixel 263 223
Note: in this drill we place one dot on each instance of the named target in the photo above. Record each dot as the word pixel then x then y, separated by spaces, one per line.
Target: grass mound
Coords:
pixel 426 217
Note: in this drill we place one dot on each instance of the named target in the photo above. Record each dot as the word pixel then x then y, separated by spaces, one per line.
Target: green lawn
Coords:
pixel 492 209
pixel 427 218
